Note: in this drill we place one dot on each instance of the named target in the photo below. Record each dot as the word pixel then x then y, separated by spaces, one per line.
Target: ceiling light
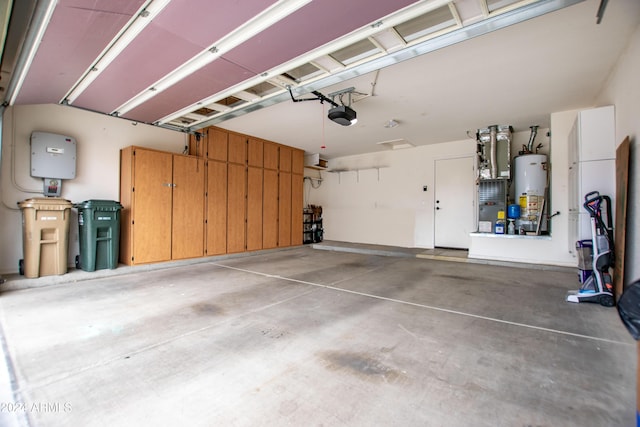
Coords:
pixel 118 44
pixel 257 24
pixel 391 124
pixel 396 144
pixel 343 115
pixel 41 16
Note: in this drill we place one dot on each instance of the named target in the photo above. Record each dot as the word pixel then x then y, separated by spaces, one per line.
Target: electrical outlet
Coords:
pixel 424 188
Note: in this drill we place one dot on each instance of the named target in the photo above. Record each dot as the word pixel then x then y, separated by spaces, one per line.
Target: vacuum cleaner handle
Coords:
pixel 591 197
pixel 592 202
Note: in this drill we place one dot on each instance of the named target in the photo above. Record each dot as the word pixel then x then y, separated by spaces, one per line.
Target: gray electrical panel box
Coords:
pixel 53 157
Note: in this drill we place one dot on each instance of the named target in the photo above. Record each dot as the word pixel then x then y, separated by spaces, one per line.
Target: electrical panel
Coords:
pixel 53 156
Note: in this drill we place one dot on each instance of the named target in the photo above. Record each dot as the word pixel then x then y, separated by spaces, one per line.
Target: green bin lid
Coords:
pixel 46 203
pixel 99 205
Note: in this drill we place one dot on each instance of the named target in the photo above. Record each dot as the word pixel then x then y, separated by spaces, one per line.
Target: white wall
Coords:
pixel 623 90
pixel 384 206
pixel 99 140
pixel 387 206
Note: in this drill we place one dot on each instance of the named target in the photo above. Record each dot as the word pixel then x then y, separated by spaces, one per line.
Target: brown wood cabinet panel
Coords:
pixel 126 200
pixel 151 206
pixel 270 209
pixel 187 240
pixel 217 144
pixel 254 208
pixel 285 158
pixel 271 154
pixel 255 152
pixel 237 148
pixel 236 208
pixel 284 209
pixel 297 161
pixel 296 209
pixel 216 208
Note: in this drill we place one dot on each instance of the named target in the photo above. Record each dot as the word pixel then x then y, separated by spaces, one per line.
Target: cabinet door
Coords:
pixel 187 239
pixel 270 154
pixel 216 208
pixel 284 209
pixel 270 209
pixel 254 208
pixel 237 148
pixel 596 133
pixel 217 144
pixel 236 207
pixel 296 209
pixel 255 152
pixel 285 159
pixel 297 161
pixel 152 196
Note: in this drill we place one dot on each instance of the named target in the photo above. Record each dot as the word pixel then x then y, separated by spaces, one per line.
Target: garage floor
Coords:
pixel 309 337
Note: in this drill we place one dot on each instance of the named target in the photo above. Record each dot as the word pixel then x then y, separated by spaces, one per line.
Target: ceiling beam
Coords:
pixel 491 24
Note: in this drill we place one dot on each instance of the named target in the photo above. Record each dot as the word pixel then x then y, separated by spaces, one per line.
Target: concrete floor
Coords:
pixel 309 337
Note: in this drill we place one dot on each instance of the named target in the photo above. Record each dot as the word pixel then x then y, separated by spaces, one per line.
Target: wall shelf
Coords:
pixel 357 171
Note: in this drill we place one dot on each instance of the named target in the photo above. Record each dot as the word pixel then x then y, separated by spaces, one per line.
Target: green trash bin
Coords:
pixel 99 234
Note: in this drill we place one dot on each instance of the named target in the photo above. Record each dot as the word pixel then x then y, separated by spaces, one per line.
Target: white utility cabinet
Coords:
pixel 592 154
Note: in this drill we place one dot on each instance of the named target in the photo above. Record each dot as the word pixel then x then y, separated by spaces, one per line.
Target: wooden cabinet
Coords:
pixel 235 193
pixel 237 148
pixel 217 144
pixel 162 195
pixel 187 228
pixel 284 209
pixel 285 159
pixel 296 209
pixel 297 162
pixel 270 209
pixel 255 153
pixel 254 208
pixel 146 196
pixel 270 155
pixel 216 208
pixel 236 207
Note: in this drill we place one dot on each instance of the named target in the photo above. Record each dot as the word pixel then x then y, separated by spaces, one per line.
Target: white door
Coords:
pixel 454 202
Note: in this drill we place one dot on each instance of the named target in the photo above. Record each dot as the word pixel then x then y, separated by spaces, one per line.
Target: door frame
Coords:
pixel 474 159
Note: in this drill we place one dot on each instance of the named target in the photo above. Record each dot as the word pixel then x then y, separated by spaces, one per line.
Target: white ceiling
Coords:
pixel 517 76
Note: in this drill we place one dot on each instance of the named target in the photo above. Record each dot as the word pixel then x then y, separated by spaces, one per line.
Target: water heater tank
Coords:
pixel 530 174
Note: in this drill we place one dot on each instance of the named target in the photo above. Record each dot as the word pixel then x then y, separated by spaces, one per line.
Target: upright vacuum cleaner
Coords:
pixel 598 287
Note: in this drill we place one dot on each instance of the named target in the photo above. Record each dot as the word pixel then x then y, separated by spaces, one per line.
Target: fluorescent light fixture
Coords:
pixel 42 15
pixel 388 22
pixel 529 11
pixel 128 33
pixel 254 26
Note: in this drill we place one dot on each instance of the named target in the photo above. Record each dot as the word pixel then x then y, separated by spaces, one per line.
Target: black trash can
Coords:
pixel 99 234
